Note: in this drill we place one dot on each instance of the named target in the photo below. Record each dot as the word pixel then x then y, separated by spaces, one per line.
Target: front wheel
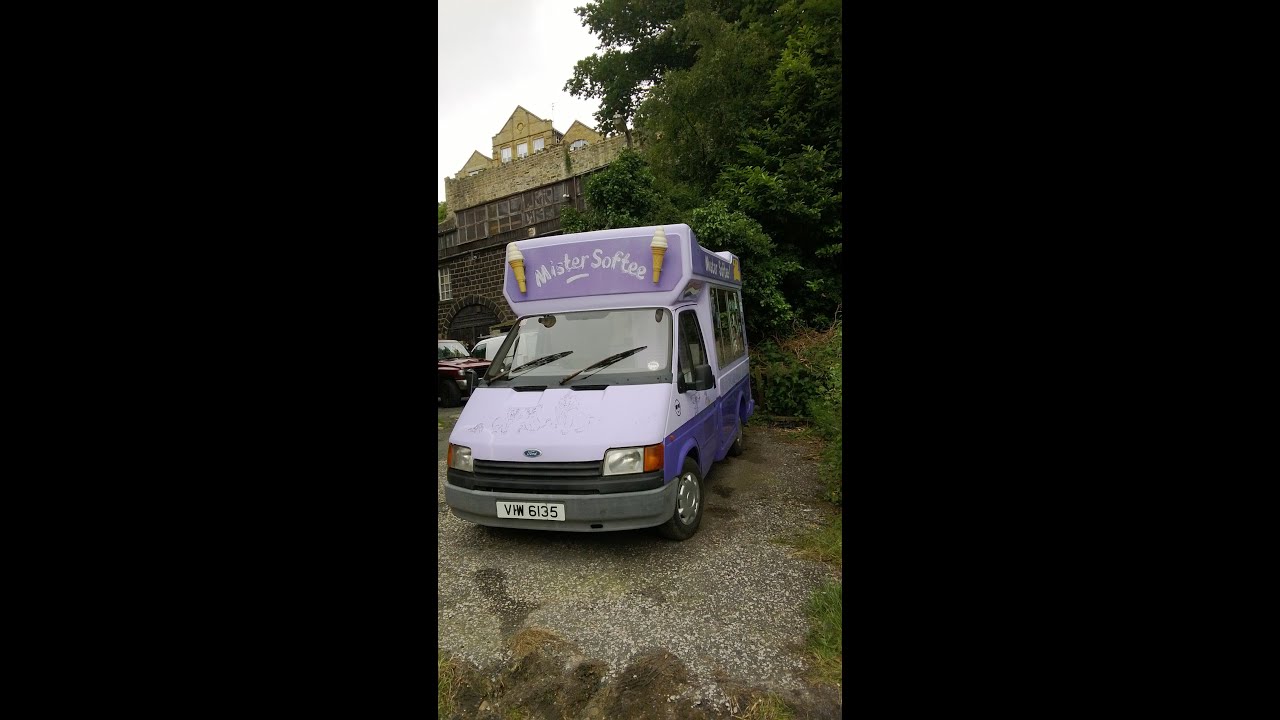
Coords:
pixel 688 513
pixel 450 395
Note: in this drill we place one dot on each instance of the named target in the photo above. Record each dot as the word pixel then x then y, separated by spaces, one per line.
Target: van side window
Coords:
pixel 726 309
pixel 691 351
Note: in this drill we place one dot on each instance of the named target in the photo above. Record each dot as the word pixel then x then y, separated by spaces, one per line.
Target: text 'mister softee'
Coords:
pixel 619 261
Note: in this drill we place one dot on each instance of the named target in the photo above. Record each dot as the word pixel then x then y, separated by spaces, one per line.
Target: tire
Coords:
pixel 450 395
pixel 736 448
pixel 687 515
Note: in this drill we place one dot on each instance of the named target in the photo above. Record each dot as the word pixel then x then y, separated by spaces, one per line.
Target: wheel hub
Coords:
pixel 688 496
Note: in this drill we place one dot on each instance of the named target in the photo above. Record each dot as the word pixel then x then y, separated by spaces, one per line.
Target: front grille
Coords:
pixel 501 469
pixel 538 490
pixel 550 478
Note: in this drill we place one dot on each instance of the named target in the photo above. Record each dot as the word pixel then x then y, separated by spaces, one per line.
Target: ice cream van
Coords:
pixel 623 380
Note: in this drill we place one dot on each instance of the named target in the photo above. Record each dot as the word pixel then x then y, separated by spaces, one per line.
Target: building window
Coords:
pixel 473 225
pixel 506 154
pixel 522 150
pixel 448 240
pixel 517 211
pixel 446 290
pixel 577 144
pixel 537 145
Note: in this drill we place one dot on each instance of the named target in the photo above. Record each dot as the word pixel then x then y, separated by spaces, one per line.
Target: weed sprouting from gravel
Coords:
pixel 824 544
pixel 534 638
pixel 767 707
pixel 825 640
pixel 448 677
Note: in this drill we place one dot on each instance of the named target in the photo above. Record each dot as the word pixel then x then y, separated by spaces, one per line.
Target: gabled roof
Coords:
pixel 475 162
pixel 506 127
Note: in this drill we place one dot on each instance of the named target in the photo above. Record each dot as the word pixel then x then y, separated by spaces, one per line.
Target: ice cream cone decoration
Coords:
pixel 737 273
pixel 659 246
pixel 516 260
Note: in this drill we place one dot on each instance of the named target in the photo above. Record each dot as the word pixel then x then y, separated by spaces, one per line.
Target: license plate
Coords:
pixel 531 511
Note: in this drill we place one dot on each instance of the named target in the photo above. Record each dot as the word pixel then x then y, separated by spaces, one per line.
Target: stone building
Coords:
pixel 517 192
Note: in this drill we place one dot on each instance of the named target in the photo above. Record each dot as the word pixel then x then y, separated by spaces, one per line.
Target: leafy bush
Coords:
pixel 620 195
pixel 827 410
pixel 768 312
pixel 786 382
pixel 802 376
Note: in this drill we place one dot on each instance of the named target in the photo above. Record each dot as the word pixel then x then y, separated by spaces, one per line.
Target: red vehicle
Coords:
pixel 452 364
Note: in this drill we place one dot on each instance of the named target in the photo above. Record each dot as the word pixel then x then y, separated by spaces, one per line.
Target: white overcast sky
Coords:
pixel 497 54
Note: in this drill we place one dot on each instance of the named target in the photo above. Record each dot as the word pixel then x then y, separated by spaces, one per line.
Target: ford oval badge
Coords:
pixel 532 453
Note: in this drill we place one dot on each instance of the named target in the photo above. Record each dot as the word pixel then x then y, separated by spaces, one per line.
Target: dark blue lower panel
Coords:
pixel 718 436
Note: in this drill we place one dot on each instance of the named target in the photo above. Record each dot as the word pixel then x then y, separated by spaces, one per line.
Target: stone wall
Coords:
pixel 475 275
pixel 532 172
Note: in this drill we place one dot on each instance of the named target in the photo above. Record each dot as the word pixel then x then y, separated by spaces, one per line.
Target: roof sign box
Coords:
pixel 712 265
pixel 622 266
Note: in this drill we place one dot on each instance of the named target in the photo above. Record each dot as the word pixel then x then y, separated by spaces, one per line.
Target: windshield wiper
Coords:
pixel 531 365
pixel 605 362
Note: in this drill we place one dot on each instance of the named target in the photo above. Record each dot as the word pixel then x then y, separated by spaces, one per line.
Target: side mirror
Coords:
pixel 703 379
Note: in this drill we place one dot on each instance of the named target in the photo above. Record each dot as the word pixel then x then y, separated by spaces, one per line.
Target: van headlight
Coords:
pixel 460 458
pixel 622 461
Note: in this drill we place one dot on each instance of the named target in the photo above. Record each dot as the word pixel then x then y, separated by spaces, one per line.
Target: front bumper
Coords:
pixel 583 513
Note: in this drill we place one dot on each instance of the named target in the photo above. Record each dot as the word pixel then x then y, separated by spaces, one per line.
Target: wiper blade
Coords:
pixel 605 362
pixel 532 364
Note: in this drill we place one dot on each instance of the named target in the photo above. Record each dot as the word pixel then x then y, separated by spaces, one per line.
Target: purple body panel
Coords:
pixel 562 425
pixel 714 266
pixel 685 439
pixel 608 266
pixel 605 269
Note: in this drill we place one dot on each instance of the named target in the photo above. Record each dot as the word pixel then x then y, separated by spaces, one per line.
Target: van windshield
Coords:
pixel 586 349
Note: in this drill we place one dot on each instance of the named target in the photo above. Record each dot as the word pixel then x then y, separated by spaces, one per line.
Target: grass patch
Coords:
pixel 825 640
pixel 767 707
pixel 831 471
pixel 448 679
pixel 824 544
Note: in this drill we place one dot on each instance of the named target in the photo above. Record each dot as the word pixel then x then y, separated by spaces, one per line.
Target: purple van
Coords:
pixel 624 379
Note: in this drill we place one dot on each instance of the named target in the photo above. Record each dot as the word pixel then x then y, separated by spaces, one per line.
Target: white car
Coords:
pixel 485 349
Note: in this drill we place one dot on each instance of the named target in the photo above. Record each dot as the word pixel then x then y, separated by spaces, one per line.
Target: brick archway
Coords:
pixel 478 313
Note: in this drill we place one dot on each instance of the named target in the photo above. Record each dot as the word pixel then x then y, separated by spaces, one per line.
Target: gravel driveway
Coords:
pixel 725 609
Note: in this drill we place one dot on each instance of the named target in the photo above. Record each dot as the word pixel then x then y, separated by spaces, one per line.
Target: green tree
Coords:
pixel 442 210
pixel 767 310
pixel 738 105
pixel 620 195
pixel 638 44
pixel 694 119
pixel 789 169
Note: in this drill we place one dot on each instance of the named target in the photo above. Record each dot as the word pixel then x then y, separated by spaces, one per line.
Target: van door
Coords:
pixel 691 352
